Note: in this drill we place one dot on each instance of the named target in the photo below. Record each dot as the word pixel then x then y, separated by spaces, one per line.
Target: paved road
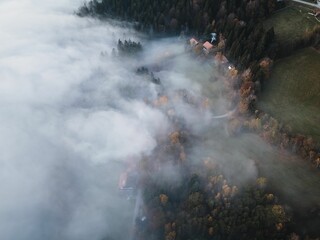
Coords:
pixel 307 3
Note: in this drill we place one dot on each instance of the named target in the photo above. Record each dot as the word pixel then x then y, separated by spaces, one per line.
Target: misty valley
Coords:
pixel 183 188
pixel 175 120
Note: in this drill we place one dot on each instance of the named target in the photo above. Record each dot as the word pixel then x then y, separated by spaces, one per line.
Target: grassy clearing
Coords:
pixel 292 94
pixel 291 23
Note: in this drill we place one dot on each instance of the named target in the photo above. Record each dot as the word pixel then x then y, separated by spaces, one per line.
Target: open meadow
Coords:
pixel 292 94
pixel 291 23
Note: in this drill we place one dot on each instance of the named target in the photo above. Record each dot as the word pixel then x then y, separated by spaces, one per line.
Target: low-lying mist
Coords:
pixel 72 116
pixel 66 125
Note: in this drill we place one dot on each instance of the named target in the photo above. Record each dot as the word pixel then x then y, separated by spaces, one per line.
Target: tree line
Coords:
pixel 240 22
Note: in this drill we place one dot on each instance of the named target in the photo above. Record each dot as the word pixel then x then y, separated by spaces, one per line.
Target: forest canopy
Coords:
pixel 240 22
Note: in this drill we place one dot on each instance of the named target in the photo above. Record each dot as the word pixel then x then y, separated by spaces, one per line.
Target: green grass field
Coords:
pixel 292 94
pixel 291 23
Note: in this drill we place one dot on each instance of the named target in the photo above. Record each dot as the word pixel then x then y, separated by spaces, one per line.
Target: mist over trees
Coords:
pixel 240 22
pixel 204 205
pixel 128 48
pixel 73 115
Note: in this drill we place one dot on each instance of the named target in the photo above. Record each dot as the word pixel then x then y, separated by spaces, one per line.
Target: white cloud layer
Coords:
pixel 65 126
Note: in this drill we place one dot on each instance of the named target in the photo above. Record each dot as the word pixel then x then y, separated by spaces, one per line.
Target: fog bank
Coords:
pixel 65 126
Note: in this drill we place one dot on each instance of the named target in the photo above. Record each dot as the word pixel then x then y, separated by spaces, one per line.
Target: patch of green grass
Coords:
pixel 292 94
pixel 291 23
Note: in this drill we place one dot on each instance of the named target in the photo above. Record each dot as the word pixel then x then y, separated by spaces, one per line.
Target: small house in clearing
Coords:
pixel 207 47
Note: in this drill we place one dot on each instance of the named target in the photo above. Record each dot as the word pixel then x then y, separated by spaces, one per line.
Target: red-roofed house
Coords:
pixel 207 47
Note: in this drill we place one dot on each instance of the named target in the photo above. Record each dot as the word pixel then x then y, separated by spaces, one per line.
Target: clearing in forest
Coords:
pixel 291 23
pixel 292 94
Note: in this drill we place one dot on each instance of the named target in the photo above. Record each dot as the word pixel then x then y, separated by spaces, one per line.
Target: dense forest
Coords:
pixel 200 203
pixel 181 15
pixel 240 22
pixel 204 205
